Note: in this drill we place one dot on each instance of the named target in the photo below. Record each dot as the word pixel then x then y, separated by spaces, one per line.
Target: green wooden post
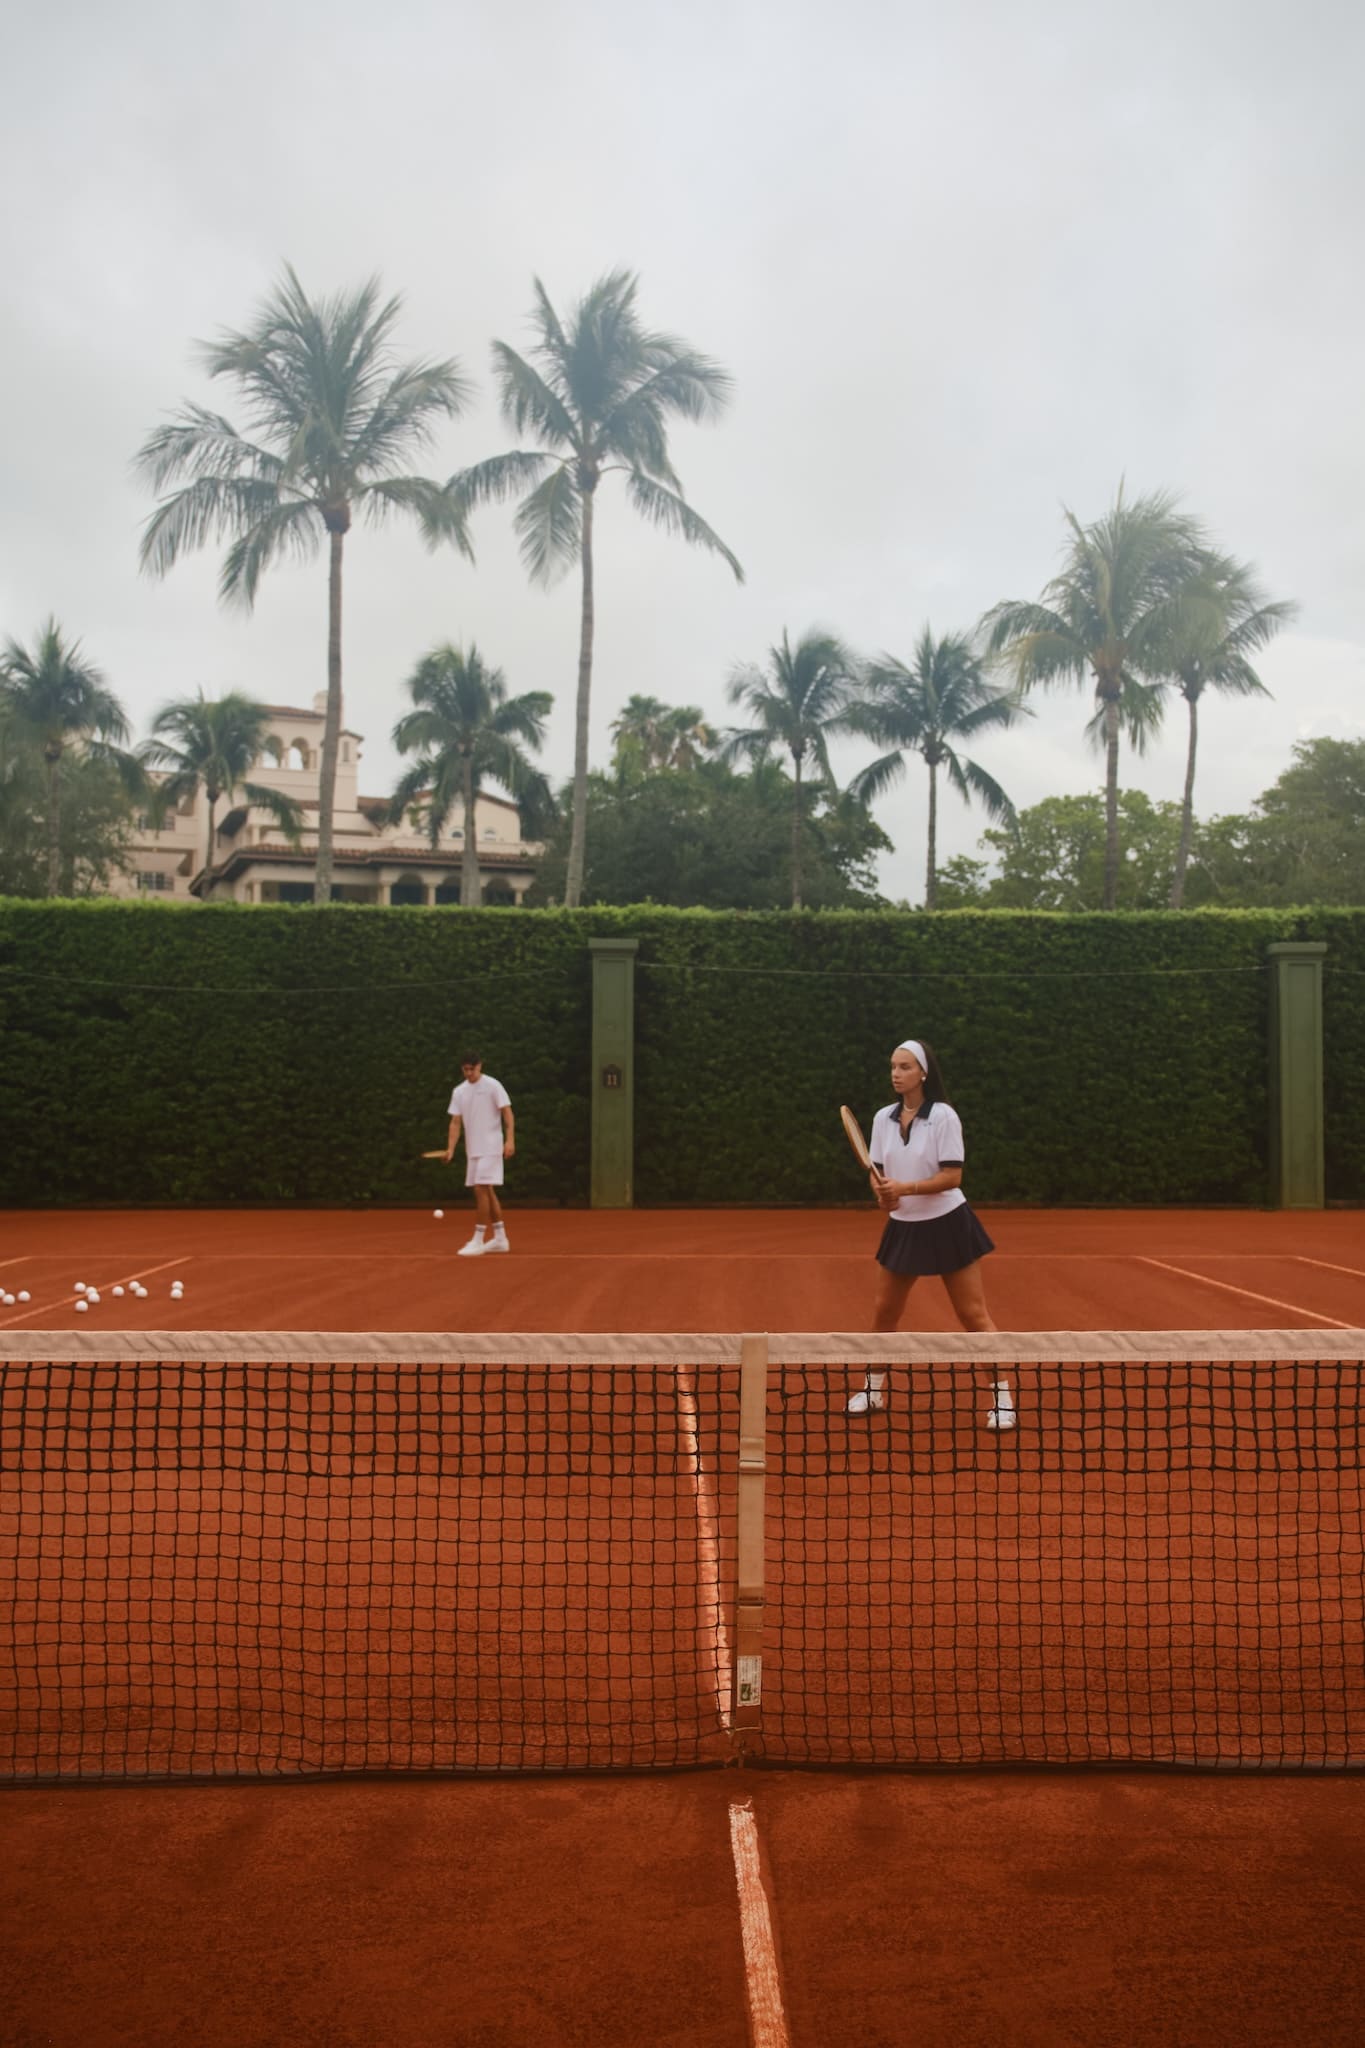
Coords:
pixel 613 1072
pixel 1296 1114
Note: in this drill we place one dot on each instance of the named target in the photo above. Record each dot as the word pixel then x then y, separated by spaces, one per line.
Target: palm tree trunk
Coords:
pixel 331 730
pixel 469 859
pixel 1187 812
pixel 930 872
pixel 796 833
pixel 578 836
pixel 211 799
pixel 54 826
pixel 1111 803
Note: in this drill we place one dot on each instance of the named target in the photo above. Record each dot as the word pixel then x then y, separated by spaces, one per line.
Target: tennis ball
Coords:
pixel 82 1308
pixel 438 1214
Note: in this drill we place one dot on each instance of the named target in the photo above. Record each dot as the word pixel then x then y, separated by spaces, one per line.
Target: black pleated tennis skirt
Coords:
pixel 940 1244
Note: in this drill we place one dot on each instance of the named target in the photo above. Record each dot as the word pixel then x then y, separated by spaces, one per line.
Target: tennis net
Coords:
pixel 288 1555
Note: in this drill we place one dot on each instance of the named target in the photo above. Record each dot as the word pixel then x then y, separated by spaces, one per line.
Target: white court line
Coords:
pixel 43 1308
pixel 1328 1265
pixel 708 1545
pixel 21 1260
pixel 767 2020
pixel 1249 1292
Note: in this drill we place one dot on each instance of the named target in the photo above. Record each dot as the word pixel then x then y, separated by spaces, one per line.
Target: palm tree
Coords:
pixel 468 731
pixel 212 744
pixel 941 697
pixel 798 704
pixel 1112 615
pixel 333 419
pixel 1213 654
pixel 651 735
pixel 597 396
pixel 62 701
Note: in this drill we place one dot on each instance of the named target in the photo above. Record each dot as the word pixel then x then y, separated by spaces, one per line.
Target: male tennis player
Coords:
pixel 917 1156
pixel 482 1109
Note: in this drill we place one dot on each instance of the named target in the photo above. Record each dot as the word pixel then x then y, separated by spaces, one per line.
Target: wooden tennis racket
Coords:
pixel 854 1133
pixel 435 1155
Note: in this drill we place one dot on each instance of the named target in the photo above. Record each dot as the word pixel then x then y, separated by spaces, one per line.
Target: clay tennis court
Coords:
pixel 946 1908
pixel 673 1270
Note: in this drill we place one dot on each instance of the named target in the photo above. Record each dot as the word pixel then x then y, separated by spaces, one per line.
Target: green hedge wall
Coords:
pixel 1094 1059
pixel 152 1053
pixel 155 1053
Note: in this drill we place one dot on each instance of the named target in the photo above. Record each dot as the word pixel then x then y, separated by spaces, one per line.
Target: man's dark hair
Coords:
pixel 471 1059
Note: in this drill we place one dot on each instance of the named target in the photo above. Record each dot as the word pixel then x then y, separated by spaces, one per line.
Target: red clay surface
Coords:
pixel 672 1270
pixel 973 1911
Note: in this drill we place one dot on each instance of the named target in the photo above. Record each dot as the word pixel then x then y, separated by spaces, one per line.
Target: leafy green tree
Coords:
pixel 797 705
pixel 62 701
pixel 466 731
pixel 942 697
pixel 1053 856
pixel 1303 841
pixel 1213 651
pixel 95 825
pixel 213 743
pixel 712 837
pixel 650 735
pixel 1113 615
pixel 597 395
pixel 333 419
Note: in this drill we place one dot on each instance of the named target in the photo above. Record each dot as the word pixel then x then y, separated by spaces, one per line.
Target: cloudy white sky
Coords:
pixel 967 264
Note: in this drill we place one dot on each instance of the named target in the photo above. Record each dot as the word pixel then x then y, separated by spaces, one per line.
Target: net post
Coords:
pixel 746 1706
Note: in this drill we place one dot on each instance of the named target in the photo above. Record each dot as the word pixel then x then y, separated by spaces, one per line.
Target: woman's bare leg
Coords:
pixel 967 1293
pixel 892 1293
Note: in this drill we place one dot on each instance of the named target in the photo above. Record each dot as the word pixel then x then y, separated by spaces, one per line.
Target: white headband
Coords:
pixel 913 1045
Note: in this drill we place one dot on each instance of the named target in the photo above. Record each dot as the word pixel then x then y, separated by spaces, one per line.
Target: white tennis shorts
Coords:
pixel 483 1170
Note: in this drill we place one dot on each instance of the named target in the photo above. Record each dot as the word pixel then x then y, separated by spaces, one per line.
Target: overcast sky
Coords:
pixel 967 265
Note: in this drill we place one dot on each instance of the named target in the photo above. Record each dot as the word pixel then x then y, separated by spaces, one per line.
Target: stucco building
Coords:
pixel 251 861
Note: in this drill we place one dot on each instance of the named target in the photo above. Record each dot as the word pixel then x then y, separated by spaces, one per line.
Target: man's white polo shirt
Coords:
pixel 935 1141
pixel 479 1105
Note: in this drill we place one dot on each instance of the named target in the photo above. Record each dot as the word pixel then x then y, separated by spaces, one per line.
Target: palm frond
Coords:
pixel 528 403
pixel 286 813
pixel 673 513
pixel 286 530
pixel 440 516
pixel 550 526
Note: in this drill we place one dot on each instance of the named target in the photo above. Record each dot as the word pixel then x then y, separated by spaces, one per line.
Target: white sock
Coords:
pixel 875 1382
pixel 478 1230
pixel 499 1230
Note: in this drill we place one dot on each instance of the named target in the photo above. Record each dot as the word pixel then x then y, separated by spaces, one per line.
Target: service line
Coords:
pixel 1249 1292
pixel 44 1308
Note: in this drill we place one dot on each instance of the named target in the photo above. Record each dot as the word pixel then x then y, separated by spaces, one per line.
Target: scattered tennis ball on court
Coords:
pixel 7 1299
pixel 438 1214
pixel 24 1294
pixel 92 1294
pixel 80 1287
pixel 116 1290
pixel 82 1308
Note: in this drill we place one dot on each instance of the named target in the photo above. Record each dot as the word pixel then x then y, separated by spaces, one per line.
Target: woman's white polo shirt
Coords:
pixel 935 1141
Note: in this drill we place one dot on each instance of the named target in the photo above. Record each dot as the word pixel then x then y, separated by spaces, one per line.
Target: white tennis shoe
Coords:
pixel 868 1401
pixel 473 1250
pixel 498 1243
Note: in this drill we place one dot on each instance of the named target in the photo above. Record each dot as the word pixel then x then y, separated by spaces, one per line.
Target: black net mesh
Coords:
pixel 219 1567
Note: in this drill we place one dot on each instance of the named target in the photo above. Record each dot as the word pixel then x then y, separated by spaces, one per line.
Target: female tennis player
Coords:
pixel 917 1156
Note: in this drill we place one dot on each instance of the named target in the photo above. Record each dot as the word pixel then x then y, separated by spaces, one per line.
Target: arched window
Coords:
pixel 407 889
pixel 298 754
